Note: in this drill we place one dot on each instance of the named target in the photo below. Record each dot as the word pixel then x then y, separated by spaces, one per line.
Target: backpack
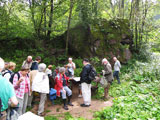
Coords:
pixel 34 66
pixel 92 73
pixel 12 75
pixel 6 71
pixel 12 113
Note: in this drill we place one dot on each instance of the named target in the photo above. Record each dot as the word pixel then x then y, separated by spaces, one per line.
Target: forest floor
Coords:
pixel 76 110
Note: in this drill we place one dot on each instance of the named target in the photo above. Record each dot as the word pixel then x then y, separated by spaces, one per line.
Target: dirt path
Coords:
pixel 76 110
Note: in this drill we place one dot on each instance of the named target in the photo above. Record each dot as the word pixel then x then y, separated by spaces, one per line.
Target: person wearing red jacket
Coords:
pixel 62 87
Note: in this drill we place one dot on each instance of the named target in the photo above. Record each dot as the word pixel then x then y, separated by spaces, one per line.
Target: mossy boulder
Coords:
pixel 103 38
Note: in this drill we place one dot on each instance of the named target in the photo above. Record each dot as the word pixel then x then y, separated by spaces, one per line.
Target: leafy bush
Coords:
pixel 135 101
pixel 50 118
pixel 144 52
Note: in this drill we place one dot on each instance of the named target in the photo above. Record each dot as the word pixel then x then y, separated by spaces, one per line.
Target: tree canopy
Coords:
pixel 30 24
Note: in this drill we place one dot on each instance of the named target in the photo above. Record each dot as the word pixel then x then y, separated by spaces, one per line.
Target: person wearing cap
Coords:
pixel 21 85
pixel 41 85
pixel 86 83
pixel 6 93
pixel 28 62
pixel 71 67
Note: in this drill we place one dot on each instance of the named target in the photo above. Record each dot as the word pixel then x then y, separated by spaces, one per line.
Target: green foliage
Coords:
pixel 50 118
pixel 132 100
pixel 144 52
pixel 78 62
pixel 96 62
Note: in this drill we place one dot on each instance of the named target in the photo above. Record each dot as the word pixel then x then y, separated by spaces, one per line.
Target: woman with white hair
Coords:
pixel 41 85
pixel 28 62
pixel 62 87
pixel 71 67
pixel 107 73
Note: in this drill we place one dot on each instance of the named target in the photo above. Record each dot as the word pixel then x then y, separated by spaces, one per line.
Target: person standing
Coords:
pixel 49 70
pixel 28 62
pixel 32 75
pixel 5 69
pixel 6 93
pixel 34 65
pixel 41 85
pixel 117 67
pixel 108 75
pixel 86 83
pixel 9 72
pixel 21 85
pixel 71 67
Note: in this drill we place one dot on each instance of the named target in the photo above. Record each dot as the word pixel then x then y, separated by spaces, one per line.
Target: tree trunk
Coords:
pixel 68 28
pixel 40 23
pixel 31 6
pixel 122 9
pixel 143 19
pixel 136 34
pixel 50 21
pixel 45 22
pixel 7 18
pixel 111 4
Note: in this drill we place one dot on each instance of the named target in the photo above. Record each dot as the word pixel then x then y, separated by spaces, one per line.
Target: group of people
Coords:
pixel 18 88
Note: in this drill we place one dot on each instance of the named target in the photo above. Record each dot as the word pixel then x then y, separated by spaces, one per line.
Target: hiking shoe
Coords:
pixel 70 104
pixel 42 114
pixel 65 107
pixel 83 105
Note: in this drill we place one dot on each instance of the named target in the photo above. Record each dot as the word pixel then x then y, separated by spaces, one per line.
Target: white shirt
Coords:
pixel 117 66
pixel 7 76
pixel 71 68
pixel 48 71
pixel 41 83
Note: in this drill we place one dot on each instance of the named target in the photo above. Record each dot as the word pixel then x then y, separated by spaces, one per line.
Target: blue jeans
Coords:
pixel 116 75
pixel 68 92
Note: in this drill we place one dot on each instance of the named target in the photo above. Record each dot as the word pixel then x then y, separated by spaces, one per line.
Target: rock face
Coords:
pixel 103 39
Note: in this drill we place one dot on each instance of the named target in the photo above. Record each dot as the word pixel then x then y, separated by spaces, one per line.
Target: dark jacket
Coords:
pixel 34 65
pixel 85 74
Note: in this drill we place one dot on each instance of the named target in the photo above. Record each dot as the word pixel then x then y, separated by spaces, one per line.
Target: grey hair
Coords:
pixel 104 60
pixel 62 69
pixel 29 57
pixel 1 64
pixel 70 58
pixel 41 67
